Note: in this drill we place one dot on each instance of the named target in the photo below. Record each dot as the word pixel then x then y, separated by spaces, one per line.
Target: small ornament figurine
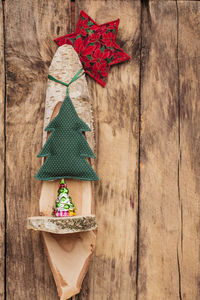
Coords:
pixel 64 206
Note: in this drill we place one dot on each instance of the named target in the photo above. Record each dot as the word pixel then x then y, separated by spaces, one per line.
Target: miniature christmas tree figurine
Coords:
pixel 64 206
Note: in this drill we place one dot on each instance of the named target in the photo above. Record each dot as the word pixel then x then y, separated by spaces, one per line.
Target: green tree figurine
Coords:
pixel 64 206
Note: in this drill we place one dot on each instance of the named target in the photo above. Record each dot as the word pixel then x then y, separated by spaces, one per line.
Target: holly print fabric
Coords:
pixel 96 46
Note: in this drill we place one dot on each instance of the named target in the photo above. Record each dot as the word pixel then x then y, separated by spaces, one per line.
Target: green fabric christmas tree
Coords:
pixel 66 149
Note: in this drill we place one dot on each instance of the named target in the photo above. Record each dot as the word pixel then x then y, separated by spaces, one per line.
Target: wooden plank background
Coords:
pixel 159 200
pixel 148 159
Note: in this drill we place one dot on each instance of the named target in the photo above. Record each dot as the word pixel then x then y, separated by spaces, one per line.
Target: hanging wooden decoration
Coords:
pixel 66 202
pixel 66 208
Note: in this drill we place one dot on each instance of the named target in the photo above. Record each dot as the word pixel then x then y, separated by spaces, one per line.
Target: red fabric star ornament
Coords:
pixel 96 46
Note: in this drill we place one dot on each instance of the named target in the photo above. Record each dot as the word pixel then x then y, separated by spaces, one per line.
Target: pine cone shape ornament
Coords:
pixel 64 207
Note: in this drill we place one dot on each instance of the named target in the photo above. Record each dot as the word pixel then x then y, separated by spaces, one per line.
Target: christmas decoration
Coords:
pixel 64 206
pixel 96 46
pixel 66 148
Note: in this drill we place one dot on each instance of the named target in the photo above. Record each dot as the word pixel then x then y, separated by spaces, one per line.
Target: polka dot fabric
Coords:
pixel 66 148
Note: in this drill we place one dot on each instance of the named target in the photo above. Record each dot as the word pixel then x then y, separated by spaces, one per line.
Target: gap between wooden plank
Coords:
pixel 144 17
pixel 179 149
pixel 139 151
pixel 3 154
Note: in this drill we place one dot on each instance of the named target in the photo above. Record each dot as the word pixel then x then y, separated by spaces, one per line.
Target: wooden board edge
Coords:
pixel 2 154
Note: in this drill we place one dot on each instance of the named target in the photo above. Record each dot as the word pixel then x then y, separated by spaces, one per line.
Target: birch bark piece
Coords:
pixel 68 254
pixel 62 225
pixel 64 66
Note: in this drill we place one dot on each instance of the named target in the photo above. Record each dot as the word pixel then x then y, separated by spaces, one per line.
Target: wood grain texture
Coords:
pixel 168 245
pixel 31 27
pixel 160 211
pixel 112 273
pixel 2 156
pixel 189 161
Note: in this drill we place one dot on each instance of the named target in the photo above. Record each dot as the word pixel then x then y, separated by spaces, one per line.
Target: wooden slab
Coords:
pixel 67 258
pixel 189 148
pixel 68 277
pixel 31 27
pixel 62 225
pixel 2 156
pixel 159 226
pixel 112 272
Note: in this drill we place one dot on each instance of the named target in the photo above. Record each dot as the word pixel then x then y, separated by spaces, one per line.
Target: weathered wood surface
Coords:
pixel 31 27
pixel 169 174
pixel 2 156
pixel 189 148
pixel 165 262
pixel 158 273
pixel 112 274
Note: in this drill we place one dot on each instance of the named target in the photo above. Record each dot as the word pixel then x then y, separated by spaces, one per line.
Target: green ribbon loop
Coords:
pixel 77 76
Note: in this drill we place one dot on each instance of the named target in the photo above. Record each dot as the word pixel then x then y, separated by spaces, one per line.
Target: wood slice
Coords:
pixel 69 257
pixel 62 225
pixel 68 254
